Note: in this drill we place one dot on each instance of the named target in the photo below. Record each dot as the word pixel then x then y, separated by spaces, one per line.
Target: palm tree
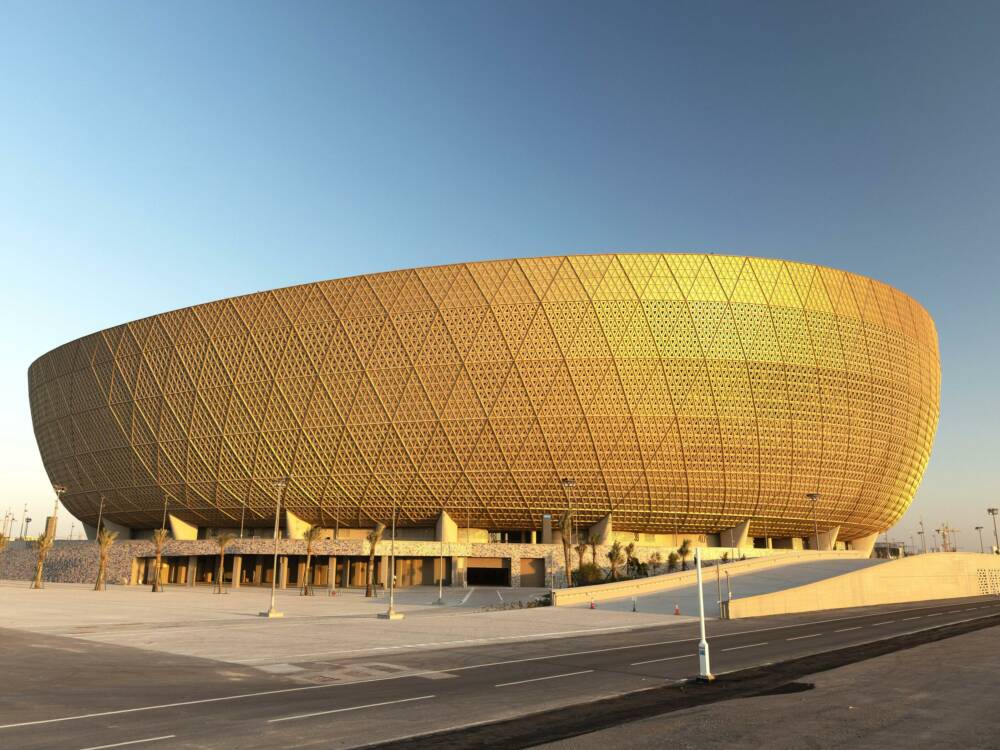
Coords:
pixel 44 544
pixel 374 537
pixel 222 540
pixel 581 550
pixel 313 535
pixel 683 552
pixel 566 532
pixel 105 539
pixel 3 542
pixel 593 540
pixel 160 537
pixel 630 561
pixel 672 559
pixel 655 561
pixel 615 557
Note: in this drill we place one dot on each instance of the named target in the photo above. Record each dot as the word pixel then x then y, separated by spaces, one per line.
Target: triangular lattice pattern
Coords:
pixel 682 392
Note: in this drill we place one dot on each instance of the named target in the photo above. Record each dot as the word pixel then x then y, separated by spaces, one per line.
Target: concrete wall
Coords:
pixel 666 582
pixel 912 579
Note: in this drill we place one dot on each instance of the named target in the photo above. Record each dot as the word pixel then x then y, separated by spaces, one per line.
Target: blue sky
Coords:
pixel 154 156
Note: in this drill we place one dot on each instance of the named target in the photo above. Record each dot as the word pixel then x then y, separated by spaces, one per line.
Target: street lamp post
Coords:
pixel 813 497
pixel 60 490
pixel 280 485
pixel 704 663
pixel 980 530
pixel 391 613
pixel 996 540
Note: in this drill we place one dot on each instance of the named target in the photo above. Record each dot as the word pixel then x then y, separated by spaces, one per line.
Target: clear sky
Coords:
pixel 157 155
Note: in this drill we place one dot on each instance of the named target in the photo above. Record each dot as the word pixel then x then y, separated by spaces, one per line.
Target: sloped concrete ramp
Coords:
pixel 751 583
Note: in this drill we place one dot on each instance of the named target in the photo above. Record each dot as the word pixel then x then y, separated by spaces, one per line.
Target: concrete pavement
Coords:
pixel 346 702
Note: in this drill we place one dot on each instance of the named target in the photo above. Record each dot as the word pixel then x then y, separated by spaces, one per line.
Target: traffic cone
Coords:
pixel 592 604
pixel 677 609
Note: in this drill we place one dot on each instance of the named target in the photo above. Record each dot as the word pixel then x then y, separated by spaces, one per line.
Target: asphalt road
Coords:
pixel 67 693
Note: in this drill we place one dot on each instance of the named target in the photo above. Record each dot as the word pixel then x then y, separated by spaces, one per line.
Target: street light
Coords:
pixel 567 484
pixel 391 613
pixel 814 497
pixel 60 490
pixel 280 485
pixel 980 530
pixel 996 540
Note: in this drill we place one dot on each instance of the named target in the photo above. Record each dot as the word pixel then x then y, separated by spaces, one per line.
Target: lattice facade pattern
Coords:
pixel 680 392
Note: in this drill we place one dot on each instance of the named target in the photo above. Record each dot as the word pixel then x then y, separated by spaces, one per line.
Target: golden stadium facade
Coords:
pixel 679 392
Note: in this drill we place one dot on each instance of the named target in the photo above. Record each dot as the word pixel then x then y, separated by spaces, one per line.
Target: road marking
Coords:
pixel 349 708
pixel 466 598
pixel 915 617
pixel 131 742
pixel 886 622
pixel 800 637
pixel 539 679
pixel 665 658
pixel 749 645
pixel 953 611
pixel 844 630
pixel 302 688
pixel 935 614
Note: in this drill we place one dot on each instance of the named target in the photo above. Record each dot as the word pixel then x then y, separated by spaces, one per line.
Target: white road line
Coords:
pixel 131 742
pixel 935 614
pixel 915 617
pixel 885 622
pixel 384 678
pixel 800 637
pixel 749 645
pixel 953 611
pixel 466 598
pixel 349 708
pixel 665 658
pixel 539 679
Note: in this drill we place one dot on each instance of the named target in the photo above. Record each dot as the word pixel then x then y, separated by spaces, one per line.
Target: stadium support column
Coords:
pixel 546 529
pixel 826 541
pixel 192 570
pixel 736 537
pixel 237 570
pixel 865 544
pixel 602 530
pixel 283 572
pixel 181 530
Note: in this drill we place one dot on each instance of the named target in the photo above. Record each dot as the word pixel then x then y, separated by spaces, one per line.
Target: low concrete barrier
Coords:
pixel 668 581
pixel 943 575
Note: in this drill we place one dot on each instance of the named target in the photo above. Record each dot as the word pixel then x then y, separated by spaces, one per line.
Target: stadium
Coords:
pixel 737 402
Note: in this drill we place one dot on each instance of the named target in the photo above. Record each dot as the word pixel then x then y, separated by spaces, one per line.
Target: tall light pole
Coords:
pixel 569 483
pixel 391 613
pixel 813 497
pixel 280 485
pixel 980 530
pixel 704 663
pixel 996 540
pixel 60 490
pixel 100 515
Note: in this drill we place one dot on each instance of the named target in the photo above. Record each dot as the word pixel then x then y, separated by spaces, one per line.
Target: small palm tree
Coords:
pixel 593 540
pixel 160 537
pixel 566 531
pixel 44 544
pixel 581 550
pixel 672 559
pixel 630 561
pixel 655 561
pixel 615 558
pixel 223 541
pixel 105 539
pixel 4 540
pixel 683 552
pixel 374 537
pixel 313 535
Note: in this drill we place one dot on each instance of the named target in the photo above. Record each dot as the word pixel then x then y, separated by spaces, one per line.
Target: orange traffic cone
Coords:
pixel 677 609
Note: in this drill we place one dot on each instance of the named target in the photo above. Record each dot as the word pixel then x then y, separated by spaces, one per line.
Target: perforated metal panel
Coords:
pixel 683 392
